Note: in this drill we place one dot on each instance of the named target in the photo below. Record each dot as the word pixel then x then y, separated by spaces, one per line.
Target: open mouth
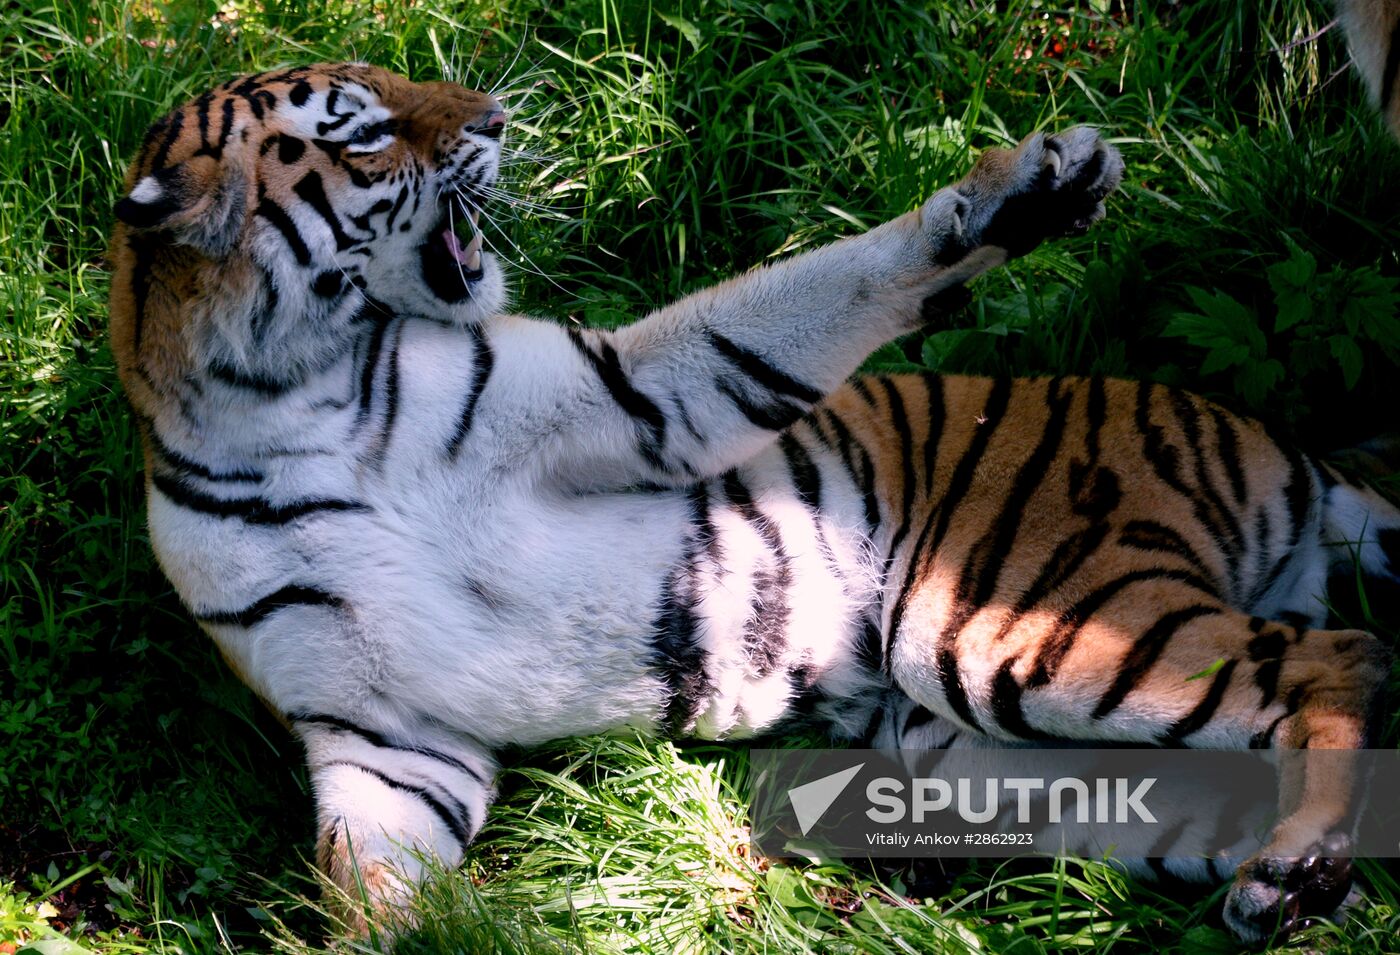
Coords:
pixel 451 255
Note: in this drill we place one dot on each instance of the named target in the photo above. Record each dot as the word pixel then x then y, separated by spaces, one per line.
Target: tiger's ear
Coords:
pixel 202 202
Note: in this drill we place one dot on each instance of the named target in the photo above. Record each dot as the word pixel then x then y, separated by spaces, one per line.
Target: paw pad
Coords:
pixel 1273 897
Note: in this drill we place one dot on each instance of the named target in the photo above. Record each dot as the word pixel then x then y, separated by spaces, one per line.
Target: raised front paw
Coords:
pixel 1272 897
pixel 1049 185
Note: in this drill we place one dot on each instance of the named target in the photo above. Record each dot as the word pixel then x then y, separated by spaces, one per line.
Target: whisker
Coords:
pixel 520 48
pixel 529 263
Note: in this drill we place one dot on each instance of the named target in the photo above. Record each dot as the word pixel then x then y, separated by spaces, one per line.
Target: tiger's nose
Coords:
pixel 492 125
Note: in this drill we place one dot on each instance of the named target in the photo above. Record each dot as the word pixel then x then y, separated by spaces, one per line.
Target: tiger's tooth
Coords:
pixel 473 251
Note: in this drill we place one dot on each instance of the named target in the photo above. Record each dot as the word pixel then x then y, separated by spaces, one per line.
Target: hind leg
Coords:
pixel 1155 660
pixel 384 801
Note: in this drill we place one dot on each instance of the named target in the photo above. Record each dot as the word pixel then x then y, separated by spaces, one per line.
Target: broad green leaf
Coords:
pixel 1348 354
pixel 1294 307
pixel 1223 357
pixel 1371 306
pixel 1295 273
pixel 1256 379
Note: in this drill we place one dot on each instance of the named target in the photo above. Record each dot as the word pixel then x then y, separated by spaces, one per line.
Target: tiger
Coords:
pixel 1372 29
pixel 423 528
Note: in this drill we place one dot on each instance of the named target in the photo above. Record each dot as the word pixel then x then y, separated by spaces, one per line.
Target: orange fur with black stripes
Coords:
pixel 423 529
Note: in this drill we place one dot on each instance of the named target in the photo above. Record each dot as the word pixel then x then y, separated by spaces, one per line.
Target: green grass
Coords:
pixel 147 803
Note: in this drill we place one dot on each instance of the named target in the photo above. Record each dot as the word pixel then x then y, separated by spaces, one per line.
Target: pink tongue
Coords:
pixel 454 246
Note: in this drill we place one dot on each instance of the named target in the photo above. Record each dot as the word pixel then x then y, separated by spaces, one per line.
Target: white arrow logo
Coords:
pixel 811 800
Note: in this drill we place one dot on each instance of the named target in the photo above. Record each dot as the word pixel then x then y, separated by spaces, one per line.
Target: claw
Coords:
pixel 1052 158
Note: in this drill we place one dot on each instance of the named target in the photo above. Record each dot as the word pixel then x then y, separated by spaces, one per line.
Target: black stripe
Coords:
pixel 376 344
pixel 1263 580
pixel 1163 456
pixel 1057 645
pixel 1145 652
pixel 143 254
pixel 1096 412
pixel 226 130
pixel 329 284
pixel 806 478
pixel 1167 463
pixel 950 679
pixel 677 652
pixel 1069 555
pixel 934 529
pixel 1264 739
pixel 290 149
pixel 398 205
pixel 312 191
pixel 1227 449
pixel 216 149
pixel 869 645
pixel 380 445
pixel 1267 649
pixel 1204 710
pixel 981 573
pixel 254 510
pixel 706 539
pixel 1153 537
pixel 191 468
pixel 293 595
pixel 375 739
pixel 237 378
pixel 300 93
pixel 772 416
pixel 686 422
pixel 452 818
pixel 1300 490
pixel 202 114
pixel 861 388
pixel 980 576
pixel 917 717
pixel 765 629
pixel 936 414
pixel 260 102
pixel 1094 491
pixel 268 309
pixel 172 133
pixel 858 465
pixel 323 128
pixel 1209 505
pixel 1298 494
pixel 483 360
pixel 608 367
pixel 758 368
pixel 275 214
pixel 1006 705
pixel 906 457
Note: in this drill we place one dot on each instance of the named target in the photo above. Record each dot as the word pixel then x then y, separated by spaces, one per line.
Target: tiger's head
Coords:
pixel 267 218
